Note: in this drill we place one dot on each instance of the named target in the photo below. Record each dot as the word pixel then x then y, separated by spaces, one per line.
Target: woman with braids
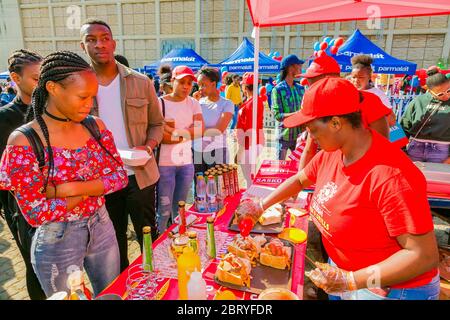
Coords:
pixel 361 78
pixel 427 121
pixel 64 199
pixel 23 66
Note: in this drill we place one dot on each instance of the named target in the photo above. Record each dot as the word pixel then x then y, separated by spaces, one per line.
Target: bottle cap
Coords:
pixel 192 234
pixel 181 240
pixel 210 220
pixel 181 203
pixel 146 229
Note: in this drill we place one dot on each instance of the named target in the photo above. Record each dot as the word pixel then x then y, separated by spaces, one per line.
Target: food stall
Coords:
pixel 292 230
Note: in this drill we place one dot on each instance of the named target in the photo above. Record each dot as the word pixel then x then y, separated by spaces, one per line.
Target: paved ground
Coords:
pixel 12 269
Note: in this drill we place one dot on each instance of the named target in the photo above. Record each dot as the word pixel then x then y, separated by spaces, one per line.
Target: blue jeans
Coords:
pixel 427 151
pixel 428 291
pixel 173 186
pixel 60 248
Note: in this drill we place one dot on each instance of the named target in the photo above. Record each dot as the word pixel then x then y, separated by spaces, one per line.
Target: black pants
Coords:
pixel 140 205
pixel 23 234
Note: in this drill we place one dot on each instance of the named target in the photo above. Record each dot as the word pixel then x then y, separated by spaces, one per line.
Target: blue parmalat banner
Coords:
pixel 4 75
pixel 382 62
pixel 242 60
pixel 179 57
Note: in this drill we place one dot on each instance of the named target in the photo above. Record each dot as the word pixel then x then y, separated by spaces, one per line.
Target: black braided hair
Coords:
pixel 21 58
pixel 56 67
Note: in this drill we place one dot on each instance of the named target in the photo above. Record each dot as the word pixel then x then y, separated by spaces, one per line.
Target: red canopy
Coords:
pixel 268 13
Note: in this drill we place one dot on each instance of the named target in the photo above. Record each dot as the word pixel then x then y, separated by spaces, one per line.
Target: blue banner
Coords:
pixel 382 62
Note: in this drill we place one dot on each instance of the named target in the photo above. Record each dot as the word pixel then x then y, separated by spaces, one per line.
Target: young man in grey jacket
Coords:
pixel 127 103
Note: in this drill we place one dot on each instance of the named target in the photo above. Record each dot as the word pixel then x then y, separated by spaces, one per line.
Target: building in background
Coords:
pixel 146 30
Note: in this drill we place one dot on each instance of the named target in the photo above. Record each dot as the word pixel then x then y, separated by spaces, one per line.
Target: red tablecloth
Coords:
pixel 118 286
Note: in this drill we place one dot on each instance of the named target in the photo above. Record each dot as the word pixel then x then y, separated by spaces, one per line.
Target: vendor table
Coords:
pixel 270 175
pixel 167 281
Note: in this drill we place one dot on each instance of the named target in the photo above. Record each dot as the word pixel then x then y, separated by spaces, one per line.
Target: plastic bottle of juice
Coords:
pixel 187 263
pixel 196 287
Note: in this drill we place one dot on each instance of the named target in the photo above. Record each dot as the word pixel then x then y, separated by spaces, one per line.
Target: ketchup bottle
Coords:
pixel 248 210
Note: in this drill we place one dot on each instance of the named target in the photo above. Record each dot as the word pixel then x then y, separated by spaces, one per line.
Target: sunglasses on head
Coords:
pixel 441 94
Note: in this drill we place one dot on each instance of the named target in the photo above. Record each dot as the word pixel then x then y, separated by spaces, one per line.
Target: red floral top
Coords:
pixel 20 173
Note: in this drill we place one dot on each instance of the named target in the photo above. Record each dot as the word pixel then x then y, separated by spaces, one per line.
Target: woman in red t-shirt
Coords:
pixel 369 203
pixel 245 127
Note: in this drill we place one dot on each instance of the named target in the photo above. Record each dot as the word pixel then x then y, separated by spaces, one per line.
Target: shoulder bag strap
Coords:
pixel 91 125
pixel 425 122
pixel 35 143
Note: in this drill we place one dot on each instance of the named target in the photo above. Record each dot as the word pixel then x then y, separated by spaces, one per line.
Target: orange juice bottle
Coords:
pixel 187 263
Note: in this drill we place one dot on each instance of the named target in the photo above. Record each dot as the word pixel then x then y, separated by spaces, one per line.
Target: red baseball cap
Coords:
pixel 327 97
pixel 183 71
pixel 248 78
pixel 321 65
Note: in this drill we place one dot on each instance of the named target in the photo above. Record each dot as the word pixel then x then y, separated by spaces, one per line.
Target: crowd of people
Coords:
pixel 67 196
pixel 7 92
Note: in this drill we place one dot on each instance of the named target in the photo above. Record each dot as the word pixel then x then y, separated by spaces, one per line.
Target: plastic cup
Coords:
pixel 141 284
pixel 277 294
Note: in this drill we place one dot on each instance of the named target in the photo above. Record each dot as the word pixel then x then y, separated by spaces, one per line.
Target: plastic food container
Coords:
pixel 133 157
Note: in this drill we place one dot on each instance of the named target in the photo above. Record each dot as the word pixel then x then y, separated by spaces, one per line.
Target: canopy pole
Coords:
pixel 388 84
pixel 253 151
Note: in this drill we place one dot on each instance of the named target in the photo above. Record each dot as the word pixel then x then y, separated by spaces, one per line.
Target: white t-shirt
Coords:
pixel 212 111
pixel 182 112
pixel 384 98
pixel 110 111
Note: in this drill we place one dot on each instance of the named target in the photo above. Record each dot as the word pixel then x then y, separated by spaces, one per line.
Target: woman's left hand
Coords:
pixel 332 279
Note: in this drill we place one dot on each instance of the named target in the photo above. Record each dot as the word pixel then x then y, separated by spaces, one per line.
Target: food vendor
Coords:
pixel 369 203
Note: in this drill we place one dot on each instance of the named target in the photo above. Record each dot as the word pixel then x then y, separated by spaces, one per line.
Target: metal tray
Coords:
pixel 264 277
